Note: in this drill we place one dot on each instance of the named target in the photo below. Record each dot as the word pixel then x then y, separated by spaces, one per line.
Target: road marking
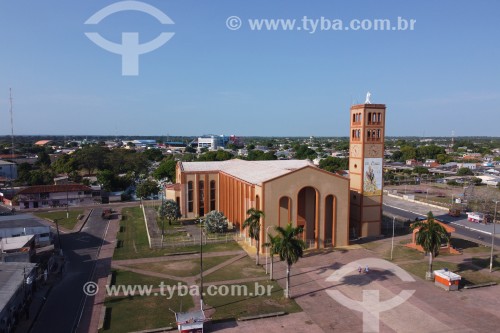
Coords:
pixel 454 223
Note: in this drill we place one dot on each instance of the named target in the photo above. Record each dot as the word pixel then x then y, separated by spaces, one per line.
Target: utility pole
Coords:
pixel 11 125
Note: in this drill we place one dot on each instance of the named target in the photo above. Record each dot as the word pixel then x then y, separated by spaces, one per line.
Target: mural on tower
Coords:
pixel 372 184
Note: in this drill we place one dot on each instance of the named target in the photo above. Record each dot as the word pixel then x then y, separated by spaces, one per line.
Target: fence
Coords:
pixel 177 241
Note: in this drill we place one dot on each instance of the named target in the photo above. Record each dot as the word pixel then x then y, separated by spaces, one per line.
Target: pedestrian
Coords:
pixel 360 269
pixel 366 269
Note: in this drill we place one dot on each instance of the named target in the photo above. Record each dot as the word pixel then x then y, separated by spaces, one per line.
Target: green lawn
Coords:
pixel 240 269
pixel 127 314
pixel 136 313
pixel 469 273
pixel 132 240
pixel 228 307
pixel 469 246
pixel 182 268
pixel 403 253
pixel 68 223
pixel 126 278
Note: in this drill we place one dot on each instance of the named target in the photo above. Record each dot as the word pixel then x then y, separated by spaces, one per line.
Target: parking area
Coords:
pixel 326 300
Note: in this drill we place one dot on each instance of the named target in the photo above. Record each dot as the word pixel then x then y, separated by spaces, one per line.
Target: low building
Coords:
pixel 17 249
pixel 24 225
pixel 490 180
pixel 42 196
pixel 8 170
pixel 16 289
pixel 211 142
pixel 445 247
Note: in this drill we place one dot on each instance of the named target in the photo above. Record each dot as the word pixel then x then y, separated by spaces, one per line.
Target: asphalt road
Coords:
pixel 460 224
pixel 63 308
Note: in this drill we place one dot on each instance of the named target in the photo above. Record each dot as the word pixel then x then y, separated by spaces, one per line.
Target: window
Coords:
pixel 212 195
pixel 190 197
pixel 201 198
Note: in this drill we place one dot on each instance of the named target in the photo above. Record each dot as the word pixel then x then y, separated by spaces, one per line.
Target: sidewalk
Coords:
pixel 95 305
pixel 40 296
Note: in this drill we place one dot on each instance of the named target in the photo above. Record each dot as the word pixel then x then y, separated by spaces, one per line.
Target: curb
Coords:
pixel 262 316
pixel 35 318
pixel 86 219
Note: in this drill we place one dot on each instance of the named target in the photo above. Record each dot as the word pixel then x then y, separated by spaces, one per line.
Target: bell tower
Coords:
pixel 366 157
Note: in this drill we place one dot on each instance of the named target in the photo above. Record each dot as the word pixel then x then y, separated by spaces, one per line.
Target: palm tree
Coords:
pixel 290 248
pixel 253 225
pixel 430 235
pixel 273 245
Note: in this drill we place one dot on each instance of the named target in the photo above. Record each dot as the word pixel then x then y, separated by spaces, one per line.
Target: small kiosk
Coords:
pixel 190 322
pixel 447 280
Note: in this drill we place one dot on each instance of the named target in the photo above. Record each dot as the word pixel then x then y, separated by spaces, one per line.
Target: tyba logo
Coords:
pixel 130 49
pixel 370 306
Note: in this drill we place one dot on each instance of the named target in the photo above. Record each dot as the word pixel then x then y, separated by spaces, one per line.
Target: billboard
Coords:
pixel 372 178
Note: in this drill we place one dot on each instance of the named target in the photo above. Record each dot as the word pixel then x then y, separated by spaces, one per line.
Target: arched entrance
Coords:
pixel 307 213
pixel 330 220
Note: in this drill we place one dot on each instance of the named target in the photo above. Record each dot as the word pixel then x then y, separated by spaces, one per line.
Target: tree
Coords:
pixel 476 181
pixel 91 158
pixel 408 153
pixel 215 221
pixel 430 235
pixel 107 179
pixel 303 151
pixel 146 188
pixel 334 164
pixel 153 154
pixel 273 245
pixel 189 149
pixel 420 170
pixel 465 172
pixel 169 210
pixel 253 225
pixel 166 169
pixel 259 155
pixel 290 248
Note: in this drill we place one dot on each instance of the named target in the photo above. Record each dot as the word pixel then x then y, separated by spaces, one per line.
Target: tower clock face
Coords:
pixel 375 151
pixel 355 150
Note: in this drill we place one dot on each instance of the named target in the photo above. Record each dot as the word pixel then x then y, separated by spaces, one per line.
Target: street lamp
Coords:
pixel 58 235
pixel 267 248
pixel 493 236
pixel 201 263
pixel 67 205
pixel 392 241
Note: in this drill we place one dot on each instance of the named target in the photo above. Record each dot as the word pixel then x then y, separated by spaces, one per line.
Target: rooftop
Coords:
pixel 21 221
pixel 14 243
pixel 11 277
pixel 42 142
pixel 254 172
pixel 54 188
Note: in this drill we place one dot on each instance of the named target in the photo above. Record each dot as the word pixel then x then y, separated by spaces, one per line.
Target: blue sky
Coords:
pixel 442 76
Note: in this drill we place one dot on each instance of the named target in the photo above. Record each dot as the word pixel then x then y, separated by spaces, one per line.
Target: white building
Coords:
pixel 40 196
pixel 8 170
pixel 211 142
pixel 24 225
